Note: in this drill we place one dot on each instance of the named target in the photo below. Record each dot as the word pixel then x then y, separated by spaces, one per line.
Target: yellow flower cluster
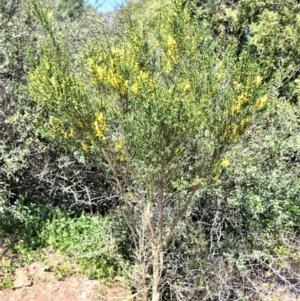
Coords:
pixel 50 16
pixel 241 100
pixel 58 127
pixel 171 53
pixel 37 76
pixel 99 126
pixel 53 82
pixel 244 122
pixel 118 145
pixel 231 132
pixel 110 66
pixel 225 163
pixel 43 84
pixel 84 146
pixel 113 79
pixel 187 87
pixel 217 176
pixel 134 88
pixel 260 103
pixel 171 43
pixel 118 149
pixel 258 81
pixel 107 73
pixel 56 122
pixel 71 133
pixel 234 131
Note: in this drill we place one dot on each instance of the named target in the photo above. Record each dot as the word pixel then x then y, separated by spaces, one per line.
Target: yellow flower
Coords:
pixel 101 72
pixel 84 146
pixel 122 90
pixel 143 76
pixel 100 117
pixel 261 102
pixel 197 180
pixel 258 80
pixel 237 85
pixel 99 125
pixel 171 42
pixel 134 88
pixel 50 15
pixel 245 121
pixel 242 99
pixel 64 133
pixel 91 62
pixel 225 163
pixel 169 66
pixel 118 145
pixel 47 65
pixel 217 176
pixel 187 87
pixel 53 82
pixel 113 50
pixel 112 62
pixel 71 133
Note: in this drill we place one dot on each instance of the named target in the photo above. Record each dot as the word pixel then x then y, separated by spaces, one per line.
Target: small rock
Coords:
pixel 21 279
pixel 83 295
pixel 119 278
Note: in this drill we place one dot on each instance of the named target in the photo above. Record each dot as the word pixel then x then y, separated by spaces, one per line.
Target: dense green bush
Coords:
pixel 246 225
pixel 31 165
pixel 94 243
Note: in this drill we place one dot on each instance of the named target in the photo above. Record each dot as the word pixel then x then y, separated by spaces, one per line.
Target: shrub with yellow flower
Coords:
pixel 176 104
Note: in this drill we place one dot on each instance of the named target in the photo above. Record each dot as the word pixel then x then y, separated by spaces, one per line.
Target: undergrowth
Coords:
pixel 29 230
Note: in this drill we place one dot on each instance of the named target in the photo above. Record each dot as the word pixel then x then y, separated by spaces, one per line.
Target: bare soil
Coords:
pixel 32 283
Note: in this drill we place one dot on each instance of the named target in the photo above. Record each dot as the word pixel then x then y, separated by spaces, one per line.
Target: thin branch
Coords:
pixel 119 185
pixel 182 212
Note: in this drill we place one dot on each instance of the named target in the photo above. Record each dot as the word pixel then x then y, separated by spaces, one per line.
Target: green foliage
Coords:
pixel 249 217
pixel 6 278
pixel 266 173
pixel 29 161
pixel 93 243
pixel 72 8
pixel 270 27
pixel 26 221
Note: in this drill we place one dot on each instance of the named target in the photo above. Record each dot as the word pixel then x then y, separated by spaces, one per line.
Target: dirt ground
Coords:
pixel 35 283
pixel 32 283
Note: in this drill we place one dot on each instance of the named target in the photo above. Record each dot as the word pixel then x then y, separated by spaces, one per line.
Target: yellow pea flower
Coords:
pixel 50 15
pixel 118 145
pixel 71 133
pixel 171 42
pixel 134 88
pixel 225 163
pixel 217 176
pixel 187 87
pixel 258 80
pixel 84 146
pixel 261 102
